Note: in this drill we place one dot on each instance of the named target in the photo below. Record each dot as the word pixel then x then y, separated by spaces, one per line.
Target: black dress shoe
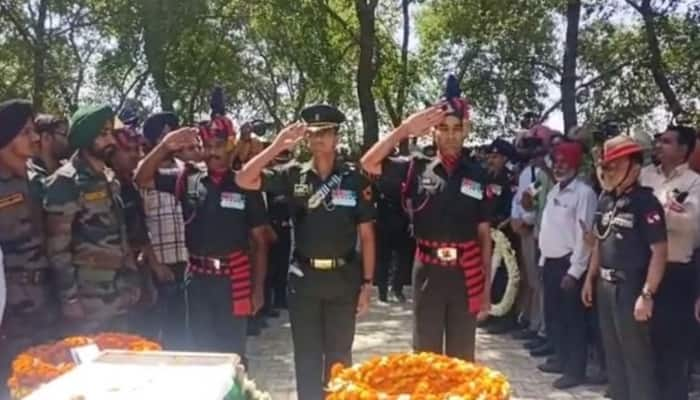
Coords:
pixel 383 296
pixel 525 334
pixel 598 378
pixel 535 343
pixel 551 368
pixel 253 329
pixel 567 382
pixel 399 296
pixel 542 351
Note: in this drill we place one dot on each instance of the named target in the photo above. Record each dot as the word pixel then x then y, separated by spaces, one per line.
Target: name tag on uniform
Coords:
pixel 472 189
pixel 344 198
pixel 95 196
pixel 11 200
pixel 232 200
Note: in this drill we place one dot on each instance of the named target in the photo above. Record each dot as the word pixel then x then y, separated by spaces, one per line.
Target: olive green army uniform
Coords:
pixel 326 276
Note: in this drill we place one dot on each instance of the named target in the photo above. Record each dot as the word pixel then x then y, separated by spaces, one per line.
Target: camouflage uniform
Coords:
pixel 87 244
pixel 30 313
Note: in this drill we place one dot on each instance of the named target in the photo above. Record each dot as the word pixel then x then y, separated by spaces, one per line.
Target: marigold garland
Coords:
pixel 421 376
pixel 41 364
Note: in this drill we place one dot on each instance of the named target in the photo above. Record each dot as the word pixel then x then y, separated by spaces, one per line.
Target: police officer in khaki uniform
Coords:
pixel 31 313
pixel 329 283
pixel 626 268
pixel 94 267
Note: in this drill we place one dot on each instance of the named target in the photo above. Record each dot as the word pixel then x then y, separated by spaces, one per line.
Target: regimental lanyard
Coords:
pixel 317 198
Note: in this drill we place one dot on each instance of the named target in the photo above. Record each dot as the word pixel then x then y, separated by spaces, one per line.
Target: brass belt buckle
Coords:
pixel 447 254
pixel 322 263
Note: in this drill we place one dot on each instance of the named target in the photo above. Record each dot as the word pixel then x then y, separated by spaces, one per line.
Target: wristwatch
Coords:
pixel 647 294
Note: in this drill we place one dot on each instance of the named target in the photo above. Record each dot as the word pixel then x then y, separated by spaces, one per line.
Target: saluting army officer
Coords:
pixel 329 283
pixel 87 242
pixel 447 200
pixel 225 233
pixel 627 266
pixel 31 310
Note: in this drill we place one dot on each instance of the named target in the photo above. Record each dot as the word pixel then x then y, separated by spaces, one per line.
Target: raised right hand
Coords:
pixel 419 124
pixel 289 136
pixel 181 139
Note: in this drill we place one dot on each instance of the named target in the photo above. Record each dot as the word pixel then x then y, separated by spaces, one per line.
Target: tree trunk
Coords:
pixel 656 63
pixel 403 83
pixel 366 70
pixel 568 81
pixel 40 47
pixel 154 44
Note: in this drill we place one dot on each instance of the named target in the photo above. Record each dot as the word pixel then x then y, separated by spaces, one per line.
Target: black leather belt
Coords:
pixel 612 275
pixel 24 277
pixel 324 263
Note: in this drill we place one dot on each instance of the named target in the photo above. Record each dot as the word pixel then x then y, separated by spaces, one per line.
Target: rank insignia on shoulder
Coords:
pixel 12 199
pixel 95 196
pixel 301 189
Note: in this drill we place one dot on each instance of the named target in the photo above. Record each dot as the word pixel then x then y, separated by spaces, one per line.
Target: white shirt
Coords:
pixel 560 230
pixel 526 178
pixel 3 288
pixel 682 227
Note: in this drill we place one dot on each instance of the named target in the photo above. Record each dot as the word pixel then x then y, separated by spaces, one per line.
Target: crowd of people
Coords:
pixel 197 235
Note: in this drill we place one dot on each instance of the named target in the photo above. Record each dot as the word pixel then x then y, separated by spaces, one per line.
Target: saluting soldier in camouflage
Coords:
pixel 29 316
pixel 87 242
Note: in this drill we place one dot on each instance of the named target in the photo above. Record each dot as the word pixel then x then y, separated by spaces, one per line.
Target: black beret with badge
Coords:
pixel 319 117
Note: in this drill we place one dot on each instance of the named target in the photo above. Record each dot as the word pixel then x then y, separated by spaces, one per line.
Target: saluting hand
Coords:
pixel 289 136
pixel 419 124
pixel 181 139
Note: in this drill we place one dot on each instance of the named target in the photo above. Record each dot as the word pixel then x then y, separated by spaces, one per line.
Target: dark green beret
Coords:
pixel 87 123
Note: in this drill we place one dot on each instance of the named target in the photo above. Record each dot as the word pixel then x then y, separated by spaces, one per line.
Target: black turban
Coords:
pixel 153 126
pixel 14 115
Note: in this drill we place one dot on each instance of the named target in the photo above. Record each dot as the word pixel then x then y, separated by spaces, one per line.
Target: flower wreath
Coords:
pixel 416 376
pixel 503 254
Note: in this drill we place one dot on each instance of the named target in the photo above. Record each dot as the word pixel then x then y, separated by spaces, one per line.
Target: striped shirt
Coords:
pixel 166 226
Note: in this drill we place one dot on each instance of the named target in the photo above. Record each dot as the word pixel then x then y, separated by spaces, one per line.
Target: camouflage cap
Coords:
pixel 87 123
